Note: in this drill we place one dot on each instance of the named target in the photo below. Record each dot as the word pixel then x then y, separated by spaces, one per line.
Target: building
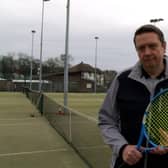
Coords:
pixel 81 79
pixel 20 84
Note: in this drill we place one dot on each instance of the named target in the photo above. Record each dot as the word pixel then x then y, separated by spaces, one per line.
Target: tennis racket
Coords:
pixel 155 122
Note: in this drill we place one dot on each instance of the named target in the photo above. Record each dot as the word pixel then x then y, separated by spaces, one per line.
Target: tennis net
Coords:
pixel 78 129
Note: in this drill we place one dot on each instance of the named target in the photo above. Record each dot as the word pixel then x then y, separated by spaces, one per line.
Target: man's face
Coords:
pixel 150 49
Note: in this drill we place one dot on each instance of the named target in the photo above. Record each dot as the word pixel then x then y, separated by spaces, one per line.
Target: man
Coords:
pixel 121 114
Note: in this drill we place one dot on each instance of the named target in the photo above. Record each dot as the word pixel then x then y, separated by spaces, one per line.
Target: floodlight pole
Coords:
pixel 95 70
pixel 41 46
pixel 31 61
pixel 66 60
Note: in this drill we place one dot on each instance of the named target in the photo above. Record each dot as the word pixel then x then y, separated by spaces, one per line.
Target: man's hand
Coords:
pixel 131 155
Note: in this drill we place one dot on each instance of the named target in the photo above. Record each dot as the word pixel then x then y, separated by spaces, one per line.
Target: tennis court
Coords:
pixel 80 130
pixel 28 140
pixel 87 103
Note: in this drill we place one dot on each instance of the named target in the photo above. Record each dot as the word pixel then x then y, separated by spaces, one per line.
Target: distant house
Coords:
pixel 81 79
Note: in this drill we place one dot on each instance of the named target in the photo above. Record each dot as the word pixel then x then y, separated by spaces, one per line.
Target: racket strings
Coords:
pixel 156 120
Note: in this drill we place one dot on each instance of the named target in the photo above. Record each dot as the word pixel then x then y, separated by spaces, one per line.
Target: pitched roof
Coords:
pixel 82 67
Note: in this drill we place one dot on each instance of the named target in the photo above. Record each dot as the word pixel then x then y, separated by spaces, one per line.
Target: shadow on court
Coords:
pixel 27 139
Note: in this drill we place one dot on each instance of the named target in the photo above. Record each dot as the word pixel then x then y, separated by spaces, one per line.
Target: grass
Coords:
pixel 82 132
pixel 13 103
pixel 87 103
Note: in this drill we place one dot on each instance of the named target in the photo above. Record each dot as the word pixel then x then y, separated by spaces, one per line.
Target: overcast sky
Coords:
pixel 114 22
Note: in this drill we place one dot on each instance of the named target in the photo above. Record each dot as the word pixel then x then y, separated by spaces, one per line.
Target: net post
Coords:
pixel 41 104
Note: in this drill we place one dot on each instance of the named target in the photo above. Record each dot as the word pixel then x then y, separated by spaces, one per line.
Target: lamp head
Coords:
pixel 156 20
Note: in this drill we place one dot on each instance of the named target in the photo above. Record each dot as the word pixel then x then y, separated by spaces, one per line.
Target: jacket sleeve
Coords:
pixel 109 120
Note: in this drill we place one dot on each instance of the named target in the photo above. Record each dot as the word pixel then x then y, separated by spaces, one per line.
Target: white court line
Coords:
pixel 33 152
pixel 16 124
pixel 17 119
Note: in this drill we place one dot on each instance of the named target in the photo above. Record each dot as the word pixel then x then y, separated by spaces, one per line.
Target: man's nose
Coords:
pixel 147 50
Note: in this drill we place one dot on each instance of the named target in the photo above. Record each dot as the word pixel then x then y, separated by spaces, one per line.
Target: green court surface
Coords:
pixel 28 140
pixel 87 103
pixel 79 124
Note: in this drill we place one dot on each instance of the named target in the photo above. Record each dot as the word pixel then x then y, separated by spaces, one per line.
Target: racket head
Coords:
pixel 155 120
